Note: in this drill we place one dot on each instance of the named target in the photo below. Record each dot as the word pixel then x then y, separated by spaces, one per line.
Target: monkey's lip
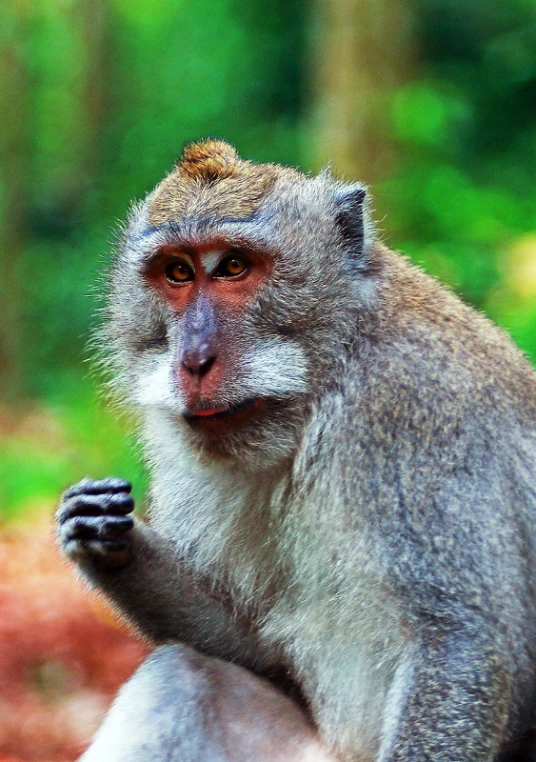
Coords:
pixel 215 414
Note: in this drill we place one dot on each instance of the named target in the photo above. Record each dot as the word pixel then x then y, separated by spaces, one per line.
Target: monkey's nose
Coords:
pixel 198 361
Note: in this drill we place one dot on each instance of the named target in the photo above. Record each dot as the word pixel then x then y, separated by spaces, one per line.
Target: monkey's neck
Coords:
pixel 220 518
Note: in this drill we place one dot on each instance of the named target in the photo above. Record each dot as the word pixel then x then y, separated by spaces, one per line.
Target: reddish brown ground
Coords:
pixel 63 655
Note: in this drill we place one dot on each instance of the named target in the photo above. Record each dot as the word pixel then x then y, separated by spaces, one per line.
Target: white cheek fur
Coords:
pixel 276 367
pixel 155 387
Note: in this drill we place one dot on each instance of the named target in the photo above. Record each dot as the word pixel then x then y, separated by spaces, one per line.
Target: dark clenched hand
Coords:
pixel 94 522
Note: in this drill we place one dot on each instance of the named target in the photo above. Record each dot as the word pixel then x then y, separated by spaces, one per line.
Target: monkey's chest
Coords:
pixel 343 636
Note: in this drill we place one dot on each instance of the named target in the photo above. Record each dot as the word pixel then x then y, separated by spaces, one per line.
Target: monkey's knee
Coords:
pixel 162 712
pixel 185 707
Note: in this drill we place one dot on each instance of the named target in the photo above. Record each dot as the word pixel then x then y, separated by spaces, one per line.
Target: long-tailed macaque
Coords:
pixel 343 461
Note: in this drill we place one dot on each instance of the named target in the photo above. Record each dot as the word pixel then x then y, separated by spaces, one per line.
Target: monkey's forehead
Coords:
pixel 211 180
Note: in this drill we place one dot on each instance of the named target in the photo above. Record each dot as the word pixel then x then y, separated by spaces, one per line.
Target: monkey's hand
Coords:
pixel 94 522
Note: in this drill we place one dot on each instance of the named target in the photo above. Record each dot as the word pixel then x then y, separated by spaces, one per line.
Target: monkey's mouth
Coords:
pixel 217 414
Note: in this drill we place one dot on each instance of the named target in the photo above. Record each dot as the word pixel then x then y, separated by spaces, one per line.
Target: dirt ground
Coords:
pixel 63 653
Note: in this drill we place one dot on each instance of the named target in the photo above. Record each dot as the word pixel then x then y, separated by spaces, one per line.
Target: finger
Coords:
pixel 86 505
pixel 113 528
pixel 98 486
pixel 118 503
pixel 89 527
pixel 80 528
pixel 94 505
pixel 79 549
pixel 104 548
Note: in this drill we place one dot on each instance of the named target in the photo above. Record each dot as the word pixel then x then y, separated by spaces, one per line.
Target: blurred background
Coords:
pixel 431 102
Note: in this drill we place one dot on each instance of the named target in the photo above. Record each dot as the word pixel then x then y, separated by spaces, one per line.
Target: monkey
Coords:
pixel 182 705
pixel 342 458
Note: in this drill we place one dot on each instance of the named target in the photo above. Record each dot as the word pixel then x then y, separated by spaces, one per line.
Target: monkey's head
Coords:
pixel 235 297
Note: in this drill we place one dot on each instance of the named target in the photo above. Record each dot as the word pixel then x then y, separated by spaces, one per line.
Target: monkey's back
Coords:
pixel 443 397
pixel 457 348
pixel 426 518
pixel 445 417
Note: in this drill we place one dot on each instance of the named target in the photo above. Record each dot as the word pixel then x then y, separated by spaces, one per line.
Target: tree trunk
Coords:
pixel 361 54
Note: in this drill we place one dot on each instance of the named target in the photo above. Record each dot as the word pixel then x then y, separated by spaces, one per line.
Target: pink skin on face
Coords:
pixel 209 301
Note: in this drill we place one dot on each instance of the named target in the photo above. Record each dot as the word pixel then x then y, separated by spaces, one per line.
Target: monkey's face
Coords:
pixel 229 304
pixel 208 345
pixel 220 366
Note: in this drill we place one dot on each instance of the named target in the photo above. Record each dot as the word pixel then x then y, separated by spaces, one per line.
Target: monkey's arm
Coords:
pixel 449 704
pixel 143 576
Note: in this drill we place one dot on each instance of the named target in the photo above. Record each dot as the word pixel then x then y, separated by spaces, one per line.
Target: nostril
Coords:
pixel 206 366
pixel 197 363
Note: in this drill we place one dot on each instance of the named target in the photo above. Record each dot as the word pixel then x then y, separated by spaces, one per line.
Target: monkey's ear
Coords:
pixel 350 215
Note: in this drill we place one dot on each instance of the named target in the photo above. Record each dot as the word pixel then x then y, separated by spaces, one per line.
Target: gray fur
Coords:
pixel 183 707
pixel 376 535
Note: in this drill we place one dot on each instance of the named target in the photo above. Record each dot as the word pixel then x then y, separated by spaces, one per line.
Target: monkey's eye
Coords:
pixel 178 271
pixel 231 266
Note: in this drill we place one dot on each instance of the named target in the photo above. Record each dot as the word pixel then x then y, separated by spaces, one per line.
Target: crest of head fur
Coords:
pixel 212 180
pixel 209 161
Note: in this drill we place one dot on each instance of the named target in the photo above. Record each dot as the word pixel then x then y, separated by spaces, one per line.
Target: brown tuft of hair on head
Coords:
pixel 211 180
pixel 210 160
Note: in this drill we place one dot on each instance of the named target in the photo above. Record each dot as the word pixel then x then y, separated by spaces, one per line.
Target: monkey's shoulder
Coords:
pixel 431 347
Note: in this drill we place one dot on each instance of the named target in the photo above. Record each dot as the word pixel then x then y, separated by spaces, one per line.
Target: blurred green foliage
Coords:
pixel 464 194
pixel 75 434
pixel 100 96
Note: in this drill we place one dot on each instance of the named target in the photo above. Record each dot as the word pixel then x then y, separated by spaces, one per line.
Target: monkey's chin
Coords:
pixel 232 413
pixel 259 432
